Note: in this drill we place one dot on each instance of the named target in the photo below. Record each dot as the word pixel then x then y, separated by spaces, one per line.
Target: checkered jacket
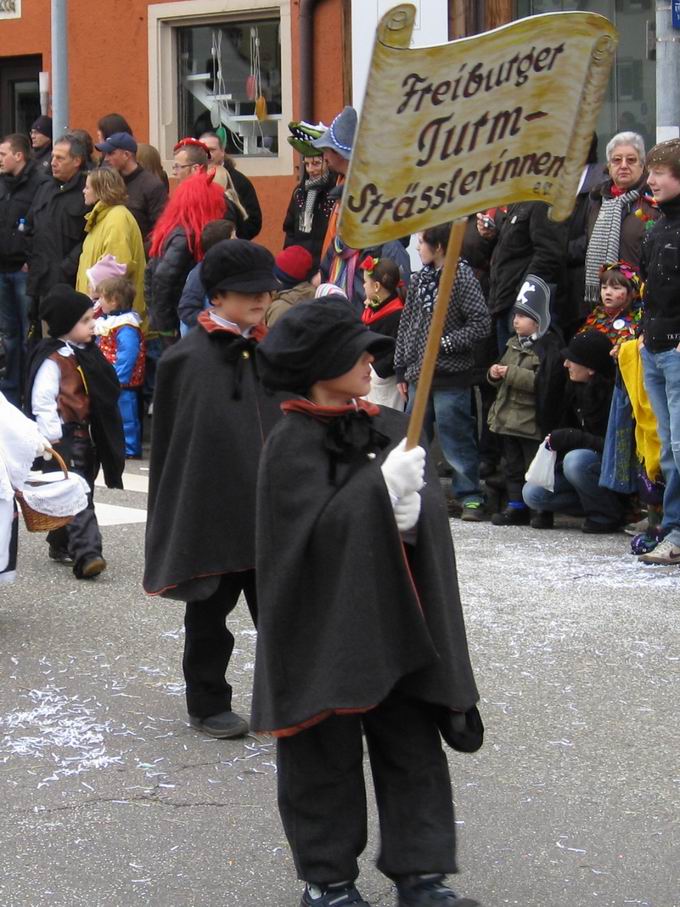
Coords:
pixel 467 322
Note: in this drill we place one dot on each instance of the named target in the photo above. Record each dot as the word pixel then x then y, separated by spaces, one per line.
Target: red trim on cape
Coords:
pixel 317 719
pixel 211 326
pixel 328 412
pixel 370 316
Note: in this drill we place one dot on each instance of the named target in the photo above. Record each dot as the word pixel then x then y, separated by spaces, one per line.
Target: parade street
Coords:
pixel 110 798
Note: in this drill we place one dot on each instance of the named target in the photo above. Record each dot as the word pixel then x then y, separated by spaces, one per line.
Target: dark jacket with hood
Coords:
pixel 16 197
pixel 660 268
pixel 528 243
pixel 56 227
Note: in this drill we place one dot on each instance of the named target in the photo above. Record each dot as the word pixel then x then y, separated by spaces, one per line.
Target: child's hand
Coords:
pixel 498 371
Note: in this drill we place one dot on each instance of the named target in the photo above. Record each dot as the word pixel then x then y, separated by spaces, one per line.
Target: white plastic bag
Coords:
pixel 541 470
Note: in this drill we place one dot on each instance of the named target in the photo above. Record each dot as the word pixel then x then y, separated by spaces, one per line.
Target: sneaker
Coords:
pixel 223 725
pixel 473 512
pixel 332 896
pixel 594 527
pixel 429 891
pixel 512 516
pixel 542 519
pixel 664 553
pixel 60 555
pixel 91 567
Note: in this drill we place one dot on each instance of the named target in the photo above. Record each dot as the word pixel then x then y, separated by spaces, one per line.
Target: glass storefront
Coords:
pixel 631 99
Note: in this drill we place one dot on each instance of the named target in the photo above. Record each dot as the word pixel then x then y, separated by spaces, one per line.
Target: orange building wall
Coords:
pixel 108 72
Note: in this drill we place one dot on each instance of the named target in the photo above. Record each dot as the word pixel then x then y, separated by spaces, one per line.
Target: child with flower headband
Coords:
pixel 382 311
pixel 618 313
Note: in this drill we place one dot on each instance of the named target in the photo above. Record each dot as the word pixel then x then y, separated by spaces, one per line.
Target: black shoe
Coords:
pixel 512 516
pixel 224 725
pixel 333 896
pixel 453 507
pixel 542 519
pixel 60 555
pixel 429 891
pixel 90 567
pixel 592 527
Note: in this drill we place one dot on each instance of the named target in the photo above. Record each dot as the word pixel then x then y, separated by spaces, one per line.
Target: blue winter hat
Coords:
pixel 533 300
pixel 340 134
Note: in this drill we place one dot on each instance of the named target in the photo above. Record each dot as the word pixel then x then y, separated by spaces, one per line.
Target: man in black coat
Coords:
pixel 246 227
pixel 20 178
pixel 56 220
pixel 527 242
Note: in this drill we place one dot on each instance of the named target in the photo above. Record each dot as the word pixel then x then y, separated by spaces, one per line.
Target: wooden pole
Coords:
pixel 415 425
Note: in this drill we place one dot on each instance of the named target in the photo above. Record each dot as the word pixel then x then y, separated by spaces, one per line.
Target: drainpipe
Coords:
pixel 60 114
pixel 306 59
pixel 667 65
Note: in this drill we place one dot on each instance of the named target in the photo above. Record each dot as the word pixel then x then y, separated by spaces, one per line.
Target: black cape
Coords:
pixel 346 612
pixel 210 420
pixel 103 389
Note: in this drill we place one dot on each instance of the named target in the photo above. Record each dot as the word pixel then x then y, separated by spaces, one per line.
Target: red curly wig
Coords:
pixel 194 203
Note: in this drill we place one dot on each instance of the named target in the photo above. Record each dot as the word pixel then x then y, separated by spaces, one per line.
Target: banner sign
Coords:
pixel 449 130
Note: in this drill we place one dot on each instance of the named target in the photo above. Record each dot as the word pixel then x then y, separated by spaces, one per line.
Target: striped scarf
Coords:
pixel 343 267
pixel 605 242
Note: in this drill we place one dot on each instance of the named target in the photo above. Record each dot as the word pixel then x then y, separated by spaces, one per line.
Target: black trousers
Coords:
pixel 81 537
pixel 517 455
pixel 208 644
pixel 322 795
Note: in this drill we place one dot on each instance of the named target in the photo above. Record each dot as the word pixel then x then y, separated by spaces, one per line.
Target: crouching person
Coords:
pixel 580 442
pixel 360 624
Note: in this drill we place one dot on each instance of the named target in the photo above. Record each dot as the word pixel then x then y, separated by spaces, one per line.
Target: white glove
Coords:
pixel 407 511
pixel 404 470
pixel 42 448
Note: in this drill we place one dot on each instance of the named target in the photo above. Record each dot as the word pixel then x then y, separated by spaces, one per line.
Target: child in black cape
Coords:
pixel 210 420
pixel 360 623
pixel 72 393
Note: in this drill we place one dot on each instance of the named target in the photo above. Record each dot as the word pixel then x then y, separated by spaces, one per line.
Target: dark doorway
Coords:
pixel 19 93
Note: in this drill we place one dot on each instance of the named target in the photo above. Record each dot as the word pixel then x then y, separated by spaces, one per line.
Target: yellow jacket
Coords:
pixel 646 436
pixel 113 231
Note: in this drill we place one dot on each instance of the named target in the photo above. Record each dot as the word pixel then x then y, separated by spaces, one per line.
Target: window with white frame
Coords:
pixel 228 72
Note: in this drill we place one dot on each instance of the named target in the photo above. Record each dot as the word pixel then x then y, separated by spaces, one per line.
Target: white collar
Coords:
pixel 225 323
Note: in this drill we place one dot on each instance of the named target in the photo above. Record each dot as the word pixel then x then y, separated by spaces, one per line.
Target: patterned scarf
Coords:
pixel 311 188
pixel 343 267
pixel 605 242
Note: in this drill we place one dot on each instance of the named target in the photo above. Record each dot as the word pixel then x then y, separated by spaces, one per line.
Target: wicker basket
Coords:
pixel 42 522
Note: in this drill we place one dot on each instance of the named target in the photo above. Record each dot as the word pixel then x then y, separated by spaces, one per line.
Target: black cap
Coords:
pixel 591 349
pixel 316 340
pixel 43 125
pixel 239 265
pixel 62 309
pixel 533 300
pixel 119 140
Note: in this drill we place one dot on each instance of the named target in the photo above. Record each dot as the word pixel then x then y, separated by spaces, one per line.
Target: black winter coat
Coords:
pixel 147 196
pixel 660 268
pixel 16 197
pixel 246 229
pixel 528 243
pixel 586 414
pixel 323 206
pixel 576 307
pixel 56 227
pixel 164 280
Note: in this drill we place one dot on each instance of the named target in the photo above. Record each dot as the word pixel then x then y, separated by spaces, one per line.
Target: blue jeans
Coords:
pixel 451 409
pixel 14 309
pixel 662 383
pixel 577 491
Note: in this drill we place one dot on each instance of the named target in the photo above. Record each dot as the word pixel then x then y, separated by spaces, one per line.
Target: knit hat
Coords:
pixel 330 289
pixel 62 309
pixel 315 341
pixel 533 300
pixel 292 265
pixel 239 265
pixel 107 266
pixel 43 125
pixel 591 349
pixel 340 134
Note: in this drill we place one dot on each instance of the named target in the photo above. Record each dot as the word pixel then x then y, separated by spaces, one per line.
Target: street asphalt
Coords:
pixel 110 799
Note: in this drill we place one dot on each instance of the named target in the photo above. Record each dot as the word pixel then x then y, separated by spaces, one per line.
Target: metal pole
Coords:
pixel 60 112
pixel 667 68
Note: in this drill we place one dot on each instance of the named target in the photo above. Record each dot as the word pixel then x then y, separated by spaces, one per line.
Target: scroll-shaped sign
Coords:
pixel 501 117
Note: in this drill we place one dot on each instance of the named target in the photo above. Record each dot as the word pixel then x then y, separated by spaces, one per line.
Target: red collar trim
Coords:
pixel 212 327
pixel 369 315
pixel 328 412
